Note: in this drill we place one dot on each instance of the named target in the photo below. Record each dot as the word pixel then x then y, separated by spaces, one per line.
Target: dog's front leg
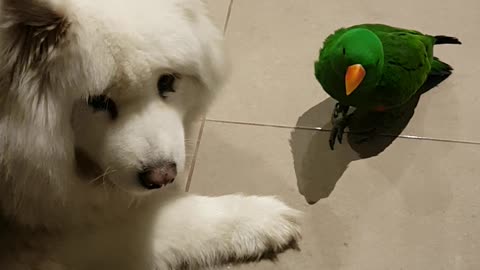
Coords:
pixel 192 232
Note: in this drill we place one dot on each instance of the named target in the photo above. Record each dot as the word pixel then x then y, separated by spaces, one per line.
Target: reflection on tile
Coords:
pixel 408 204
pixel 274 43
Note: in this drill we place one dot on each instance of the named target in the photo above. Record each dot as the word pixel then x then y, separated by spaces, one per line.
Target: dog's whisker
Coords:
pixel 101 177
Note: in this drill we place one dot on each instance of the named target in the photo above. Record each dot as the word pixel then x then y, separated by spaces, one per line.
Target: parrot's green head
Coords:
pixel 358 57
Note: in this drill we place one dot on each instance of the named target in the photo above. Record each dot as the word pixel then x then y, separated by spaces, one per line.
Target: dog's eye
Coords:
pixel 103 103
pixel 165 84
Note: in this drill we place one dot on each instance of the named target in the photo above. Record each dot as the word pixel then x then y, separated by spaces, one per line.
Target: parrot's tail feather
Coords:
pixel 446 40
pixel 440 68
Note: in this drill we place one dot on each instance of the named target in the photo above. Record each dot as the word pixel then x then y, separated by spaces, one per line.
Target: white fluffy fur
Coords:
pixel 56 53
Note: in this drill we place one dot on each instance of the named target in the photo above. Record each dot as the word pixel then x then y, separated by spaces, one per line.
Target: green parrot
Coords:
pixel 375 67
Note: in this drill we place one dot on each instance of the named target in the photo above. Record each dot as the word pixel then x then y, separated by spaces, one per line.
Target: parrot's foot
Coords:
pixel 340 118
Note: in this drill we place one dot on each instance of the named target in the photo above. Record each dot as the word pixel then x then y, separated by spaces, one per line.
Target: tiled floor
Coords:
pixel 408 203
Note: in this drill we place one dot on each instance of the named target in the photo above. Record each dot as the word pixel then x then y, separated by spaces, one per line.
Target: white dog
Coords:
pixel 94 96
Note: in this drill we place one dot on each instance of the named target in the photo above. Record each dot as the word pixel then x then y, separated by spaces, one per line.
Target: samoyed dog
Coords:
pixel 95 96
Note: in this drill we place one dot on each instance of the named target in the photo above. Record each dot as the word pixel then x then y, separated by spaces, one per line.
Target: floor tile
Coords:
pixel 406 204
pixel 273 45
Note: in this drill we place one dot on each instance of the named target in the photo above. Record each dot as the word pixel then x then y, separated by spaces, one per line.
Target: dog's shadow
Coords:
pixel 318 168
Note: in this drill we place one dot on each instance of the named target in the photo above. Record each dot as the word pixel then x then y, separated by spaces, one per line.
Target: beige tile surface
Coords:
pixel 413 206
pixel 218 11
pixel 273 44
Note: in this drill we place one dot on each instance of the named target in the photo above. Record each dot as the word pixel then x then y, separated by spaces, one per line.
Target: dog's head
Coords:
pixel 166 64
pixel 105 83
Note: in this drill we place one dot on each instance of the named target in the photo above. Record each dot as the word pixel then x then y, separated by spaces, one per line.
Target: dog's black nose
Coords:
pixel 158 176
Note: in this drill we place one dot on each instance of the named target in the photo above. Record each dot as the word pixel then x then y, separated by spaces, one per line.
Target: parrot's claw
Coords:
pixel 340 134
pixel 333 137
pixel 340 119
pixel 337 134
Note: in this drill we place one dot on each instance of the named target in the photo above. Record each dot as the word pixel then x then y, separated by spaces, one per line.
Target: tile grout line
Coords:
pixel 227 19
pixel 195 154
pixel 413 137
pixel 407 137
pixel 260 124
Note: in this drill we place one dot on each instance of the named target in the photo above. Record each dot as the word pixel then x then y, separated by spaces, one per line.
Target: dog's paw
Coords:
pixel 265 227
pixel 219 231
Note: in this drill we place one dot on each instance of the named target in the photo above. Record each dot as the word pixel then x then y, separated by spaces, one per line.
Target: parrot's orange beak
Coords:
pixel 354 77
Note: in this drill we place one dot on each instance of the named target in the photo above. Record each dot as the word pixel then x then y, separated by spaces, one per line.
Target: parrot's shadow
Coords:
pixel 318 168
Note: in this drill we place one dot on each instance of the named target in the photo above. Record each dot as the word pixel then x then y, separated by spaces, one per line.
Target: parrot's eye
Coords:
pixel 344 51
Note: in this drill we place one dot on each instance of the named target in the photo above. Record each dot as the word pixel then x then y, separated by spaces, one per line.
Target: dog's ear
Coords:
pixel 33 31
pixel 44 47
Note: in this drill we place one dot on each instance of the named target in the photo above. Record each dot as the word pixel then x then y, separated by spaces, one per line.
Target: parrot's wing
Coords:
pixel 386 29
pixel 407 64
